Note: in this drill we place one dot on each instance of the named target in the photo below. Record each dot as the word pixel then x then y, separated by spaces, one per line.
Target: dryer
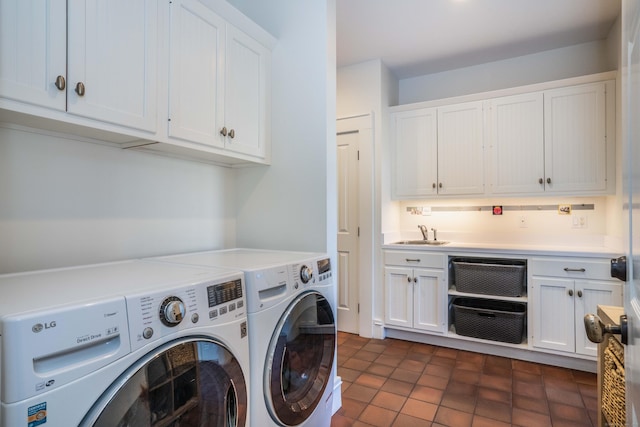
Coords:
pixel 127 343
pixel 292 331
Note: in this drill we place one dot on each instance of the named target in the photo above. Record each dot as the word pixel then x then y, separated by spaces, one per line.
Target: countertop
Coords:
pixel 512 248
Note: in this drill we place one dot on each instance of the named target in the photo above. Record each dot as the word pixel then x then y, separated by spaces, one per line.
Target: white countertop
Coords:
pixel 513 248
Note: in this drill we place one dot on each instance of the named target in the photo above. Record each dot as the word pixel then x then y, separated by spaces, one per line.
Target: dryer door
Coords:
pixel 300 359
pixel 191 381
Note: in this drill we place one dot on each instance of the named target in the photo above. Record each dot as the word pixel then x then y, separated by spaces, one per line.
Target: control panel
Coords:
pixel 311 272
pixel 152 316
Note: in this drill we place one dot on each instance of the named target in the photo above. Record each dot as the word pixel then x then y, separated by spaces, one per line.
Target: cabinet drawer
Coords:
pixel 414 259
pixel 572 268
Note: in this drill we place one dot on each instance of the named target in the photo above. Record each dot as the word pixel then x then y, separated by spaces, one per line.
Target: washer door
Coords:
pixel 300 359
pixel 194 381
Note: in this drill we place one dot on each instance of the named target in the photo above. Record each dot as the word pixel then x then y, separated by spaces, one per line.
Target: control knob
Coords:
pixel 172 311
pixel 306 274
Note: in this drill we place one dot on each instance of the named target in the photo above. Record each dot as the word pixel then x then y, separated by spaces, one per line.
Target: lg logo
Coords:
pixel 38 327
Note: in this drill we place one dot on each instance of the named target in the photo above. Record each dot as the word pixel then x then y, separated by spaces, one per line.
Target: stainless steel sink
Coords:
pixel 421 242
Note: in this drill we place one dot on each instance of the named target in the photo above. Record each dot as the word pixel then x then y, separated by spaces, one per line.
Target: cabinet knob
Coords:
pixel 433 185
pixel 579 294
pixel 541 181
pixel 61 83
pixel 232 133
pixel 415 280
pixel 408 279
pixel 570 292
pixel 548 180
pixel 440 185
pixel 223 131
pixel 80 89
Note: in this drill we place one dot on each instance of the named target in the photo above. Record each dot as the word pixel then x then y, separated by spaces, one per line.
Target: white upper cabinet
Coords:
pixel 575 138
pixel 218 82
pixel 196 78
pixel 415 152
pixel 113 61
pixel 93 59
pixel 460 149
pixel 438 151
pixel 516 144
pixel 33 45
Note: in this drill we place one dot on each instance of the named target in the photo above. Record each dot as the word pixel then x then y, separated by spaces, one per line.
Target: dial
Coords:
pixel 306 274
pixel 172 311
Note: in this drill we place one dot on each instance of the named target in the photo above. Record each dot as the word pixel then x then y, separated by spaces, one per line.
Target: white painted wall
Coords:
pixel 556 64
pixel 67 202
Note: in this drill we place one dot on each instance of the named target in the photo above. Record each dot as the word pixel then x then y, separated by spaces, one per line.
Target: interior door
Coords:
pixel 348 232
pixel 631 186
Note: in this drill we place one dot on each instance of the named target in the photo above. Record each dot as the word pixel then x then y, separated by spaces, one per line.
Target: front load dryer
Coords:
pixel 124 344
pixel 292 332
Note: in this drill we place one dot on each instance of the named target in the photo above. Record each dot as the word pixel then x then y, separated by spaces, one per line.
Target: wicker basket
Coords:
pixel 490 320
pixel 613 385
pixel 487 277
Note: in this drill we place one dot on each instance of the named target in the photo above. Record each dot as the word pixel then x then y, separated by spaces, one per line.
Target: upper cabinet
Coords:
pixel 89 58
pixel 556 141
pixel 185 78
pixel 218 82
pixel 438 151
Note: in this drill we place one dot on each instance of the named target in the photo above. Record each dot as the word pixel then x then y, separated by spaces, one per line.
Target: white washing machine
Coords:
pixel 131 343
pixel 292 332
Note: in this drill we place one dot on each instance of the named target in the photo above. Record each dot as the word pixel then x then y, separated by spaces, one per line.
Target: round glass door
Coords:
pixel 191 382
pixel 300 359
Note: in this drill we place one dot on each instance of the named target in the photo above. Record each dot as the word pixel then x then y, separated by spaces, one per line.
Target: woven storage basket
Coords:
pixel 489 278
pixel 613 386
pixel 490 320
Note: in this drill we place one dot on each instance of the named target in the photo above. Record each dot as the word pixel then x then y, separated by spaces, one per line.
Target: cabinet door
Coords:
pixel 399 296
pixel 589 294
pixel 112 52
pixel 33 44
pixel 196 77
pixel 428 301
pixel 517 144
pixel 415 153
pixel 553 314
pixel 575 141
pixel 247 76
pixel 460 149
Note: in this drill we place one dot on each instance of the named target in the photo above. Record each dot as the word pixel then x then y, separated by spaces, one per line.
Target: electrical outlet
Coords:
pixel 579 221
pixel 523 222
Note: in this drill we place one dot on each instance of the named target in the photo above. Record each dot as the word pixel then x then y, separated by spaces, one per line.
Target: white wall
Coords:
pixel 556 64
pixel 68 202
pixel 291 204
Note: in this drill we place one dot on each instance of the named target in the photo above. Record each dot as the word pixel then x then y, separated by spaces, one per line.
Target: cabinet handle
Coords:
pixel 578 270
pixel 440 185
pixel 548 180
pixel 415 280
pixel 223 131
pixel 61 84
pixel 541 181
pixel 408 279
pixel 579 294
pixel 412 259
pixel 232 134
pixel 570 292
pixel 433 185
pixel 80 89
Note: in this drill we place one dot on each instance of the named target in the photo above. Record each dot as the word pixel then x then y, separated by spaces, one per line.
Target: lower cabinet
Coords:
pixel 415 297
pixel 561 293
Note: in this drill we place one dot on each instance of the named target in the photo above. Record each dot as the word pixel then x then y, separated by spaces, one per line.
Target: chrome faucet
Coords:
pixel 425 231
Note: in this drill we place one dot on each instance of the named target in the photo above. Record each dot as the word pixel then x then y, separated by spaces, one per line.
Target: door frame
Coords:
pixel 364 125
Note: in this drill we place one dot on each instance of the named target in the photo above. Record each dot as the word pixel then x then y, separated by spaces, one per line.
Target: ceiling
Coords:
pixel 416 37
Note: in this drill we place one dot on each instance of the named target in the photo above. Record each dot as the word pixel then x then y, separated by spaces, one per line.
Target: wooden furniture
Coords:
pixel 611 384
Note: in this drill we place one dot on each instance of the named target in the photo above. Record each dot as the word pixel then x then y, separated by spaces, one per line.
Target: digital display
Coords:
pixel 324 265
pixel 224 292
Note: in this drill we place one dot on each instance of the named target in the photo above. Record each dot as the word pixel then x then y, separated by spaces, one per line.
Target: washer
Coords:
pixel 130 343
pixel 292 331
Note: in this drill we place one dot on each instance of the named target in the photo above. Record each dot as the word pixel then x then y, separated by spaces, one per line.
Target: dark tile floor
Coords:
pixel 403 384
